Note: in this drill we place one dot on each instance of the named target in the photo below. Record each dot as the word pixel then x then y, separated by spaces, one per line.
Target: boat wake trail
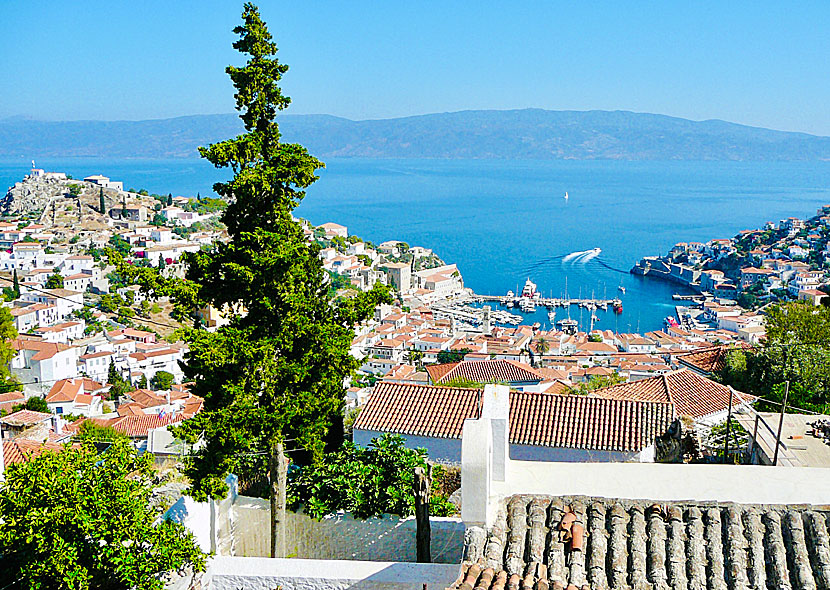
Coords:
pixel 609 267
pixel 541 263
pixel 574 255
pixel 590 255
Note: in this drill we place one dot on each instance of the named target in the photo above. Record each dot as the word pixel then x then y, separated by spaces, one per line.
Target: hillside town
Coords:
pixel 98 350
pixel 213 393
pixel 784 261
pixel 80 327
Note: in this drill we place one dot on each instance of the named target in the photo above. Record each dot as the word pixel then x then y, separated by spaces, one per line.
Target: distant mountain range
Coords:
pixel 517 134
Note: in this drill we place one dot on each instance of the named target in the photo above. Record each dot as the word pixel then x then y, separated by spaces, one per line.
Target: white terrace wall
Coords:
pixel 489 474
pixel 341 536
pixel 254 573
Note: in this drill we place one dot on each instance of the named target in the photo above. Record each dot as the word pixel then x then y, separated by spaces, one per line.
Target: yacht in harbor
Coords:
pixel 529 289
pixel 568 326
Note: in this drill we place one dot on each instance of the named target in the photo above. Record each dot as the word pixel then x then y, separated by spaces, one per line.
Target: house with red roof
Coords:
pixel 76 396
pixel 703 400
pixel 39 364
pixel 542 426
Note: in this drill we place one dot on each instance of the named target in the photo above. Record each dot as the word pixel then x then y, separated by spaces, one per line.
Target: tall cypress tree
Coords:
pixel 15 284
pixel 101 205
pixel 276 373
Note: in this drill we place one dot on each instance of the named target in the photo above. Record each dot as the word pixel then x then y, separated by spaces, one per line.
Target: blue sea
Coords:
pixel 505 221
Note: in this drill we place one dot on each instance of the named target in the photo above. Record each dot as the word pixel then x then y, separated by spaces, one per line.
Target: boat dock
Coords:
pixel 548 302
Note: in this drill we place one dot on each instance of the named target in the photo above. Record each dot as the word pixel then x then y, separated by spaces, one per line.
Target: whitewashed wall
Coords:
pixel 341 536
pixel 233 573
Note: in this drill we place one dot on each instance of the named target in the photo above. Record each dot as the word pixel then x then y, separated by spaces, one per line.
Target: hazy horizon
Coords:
pixel 760 65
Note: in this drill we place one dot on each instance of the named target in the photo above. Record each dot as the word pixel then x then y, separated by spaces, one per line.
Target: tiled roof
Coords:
pixel 539 419
pixel 542 543
pixel 21 450
pixel 706 360
pixel 44 350
pixel 131 409
pixel 146 398
pixel 133 426
pixel 691 394
pixel 488 371
pixel 65 390
pixel 25 418
pixel 11 399
pixel 419 409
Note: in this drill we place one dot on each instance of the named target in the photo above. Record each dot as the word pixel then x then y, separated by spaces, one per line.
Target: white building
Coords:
pixel 40 364
pixel 105 182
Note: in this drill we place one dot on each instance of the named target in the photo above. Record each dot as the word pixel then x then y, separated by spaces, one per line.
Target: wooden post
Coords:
pixel 421 484
pixel 781 423
pixel 728 427
pixel 754 440
pixel 278 470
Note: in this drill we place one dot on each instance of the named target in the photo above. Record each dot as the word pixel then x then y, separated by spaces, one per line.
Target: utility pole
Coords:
pixel 278 468
pixel 421 485
pixel 780 424
pixel 728 426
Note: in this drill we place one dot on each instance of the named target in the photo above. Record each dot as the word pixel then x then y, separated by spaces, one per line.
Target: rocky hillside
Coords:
pixel 64 203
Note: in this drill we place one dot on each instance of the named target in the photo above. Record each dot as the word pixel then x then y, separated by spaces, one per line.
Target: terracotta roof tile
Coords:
pixel 25 418
pixel 550 543
pixel 21 450
pixel 486 371
pixel 691 394
pixel 542 419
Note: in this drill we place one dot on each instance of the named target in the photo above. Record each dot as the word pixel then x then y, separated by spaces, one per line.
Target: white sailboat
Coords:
pixel 566 195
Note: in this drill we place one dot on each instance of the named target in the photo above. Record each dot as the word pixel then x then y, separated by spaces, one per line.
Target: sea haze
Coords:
pixel 505 221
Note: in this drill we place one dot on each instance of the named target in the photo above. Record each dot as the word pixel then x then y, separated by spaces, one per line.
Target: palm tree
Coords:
pixel 415 357
pixel 542 346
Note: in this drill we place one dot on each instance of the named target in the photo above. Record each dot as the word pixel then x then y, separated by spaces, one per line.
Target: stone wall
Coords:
pixel 341 536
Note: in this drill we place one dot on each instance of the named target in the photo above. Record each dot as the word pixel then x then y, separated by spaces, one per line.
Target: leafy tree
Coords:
pixel 118 385
pixel 8 332
pixel 462 382
pixel 277 373
pixel 102 206
pixel 162 380
pixel 796 349
pixel 415 357
pixel 597 382
pixel 142 383
pixel 93 432
pixel 452 356
pixel 367 482
pixel 37 404
pixel 75 189
pixel 55 281
pixel 76 520
pixel 121 245
pixel 594 338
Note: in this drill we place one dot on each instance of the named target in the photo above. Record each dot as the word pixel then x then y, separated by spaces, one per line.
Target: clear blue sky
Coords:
pixel 759 63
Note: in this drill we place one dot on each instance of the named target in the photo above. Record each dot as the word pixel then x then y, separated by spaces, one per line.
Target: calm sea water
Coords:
pixel 505 221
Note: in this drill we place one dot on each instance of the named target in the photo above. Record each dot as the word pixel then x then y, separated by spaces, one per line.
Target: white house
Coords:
pixel 39 364
pixel 65 300
pixel 75 396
